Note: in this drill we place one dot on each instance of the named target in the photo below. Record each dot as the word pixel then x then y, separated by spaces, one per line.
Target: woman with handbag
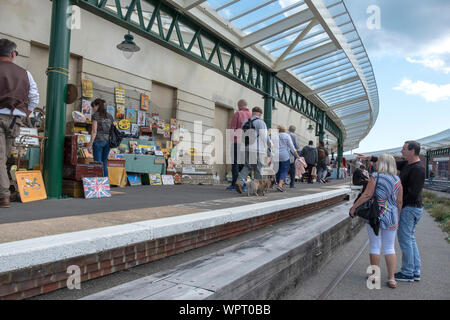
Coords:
pixel 388 193
pixel 101 126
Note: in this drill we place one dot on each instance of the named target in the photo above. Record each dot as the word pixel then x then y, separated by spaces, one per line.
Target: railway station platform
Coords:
pixel 137 226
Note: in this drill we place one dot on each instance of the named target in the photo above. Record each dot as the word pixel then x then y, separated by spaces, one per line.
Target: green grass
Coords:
pixel 439 208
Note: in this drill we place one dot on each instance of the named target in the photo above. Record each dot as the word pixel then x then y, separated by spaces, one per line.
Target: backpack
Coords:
pixel 247 126
pixel 115 136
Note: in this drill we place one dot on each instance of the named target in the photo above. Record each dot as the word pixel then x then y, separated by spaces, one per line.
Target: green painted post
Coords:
pixel 322 126
pixel 56 92
pixel 268 98
pixel 426 167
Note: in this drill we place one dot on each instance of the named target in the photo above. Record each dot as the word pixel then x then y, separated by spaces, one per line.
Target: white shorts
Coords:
pixel 385 237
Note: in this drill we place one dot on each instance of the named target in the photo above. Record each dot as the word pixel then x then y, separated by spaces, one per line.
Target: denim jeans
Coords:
pixel 283 169
pixel 409 217
pixel 101 152
pixel 292 173
pixel 235 167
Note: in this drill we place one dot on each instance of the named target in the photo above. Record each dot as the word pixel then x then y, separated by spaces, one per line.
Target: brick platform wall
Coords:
pixel 49 277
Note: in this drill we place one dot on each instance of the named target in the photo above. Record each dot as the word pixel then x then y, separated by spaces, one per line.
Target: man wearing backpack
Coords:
pixel 254 140
pixel 242 115
pixel 311 158
pixel 322 154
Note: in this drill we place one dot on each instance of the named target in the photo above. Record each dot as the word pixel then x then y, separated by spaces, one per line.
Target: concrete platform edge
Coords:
pixel 26 253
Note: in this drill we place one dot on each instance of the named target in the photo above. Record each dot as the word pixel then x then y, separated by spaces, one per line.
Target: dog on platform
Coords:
pixel 256 187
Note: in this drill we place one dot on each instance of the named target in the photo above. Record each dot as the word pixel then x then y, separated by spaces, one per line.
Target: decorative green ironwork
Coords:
pixel 332 128
pixel 175 31
pixel 287 95
pixel 438 152
pixel 170 28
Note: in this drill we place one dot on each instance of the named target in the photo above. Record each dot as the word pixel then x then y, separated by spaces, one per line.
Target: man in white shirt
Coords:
pixel 18 98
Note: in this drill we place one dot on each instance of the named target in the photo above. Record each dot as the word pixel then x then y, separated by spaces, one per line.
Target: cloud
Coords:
pixel 431 92
pixel 406 30
pixel 435 56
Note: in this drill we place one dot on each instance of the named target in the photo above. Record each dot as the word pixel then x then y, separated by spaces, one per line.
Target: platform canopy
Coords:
pixel 312 45
pixel 436 141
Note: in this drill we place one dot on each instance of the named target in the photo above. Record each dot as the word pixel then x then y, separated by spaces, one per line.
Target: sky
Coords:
pixel 410 54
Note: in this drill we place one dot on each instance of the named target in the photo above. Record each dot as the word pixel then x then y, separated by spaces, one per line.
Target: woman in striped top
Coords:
pixel 389 194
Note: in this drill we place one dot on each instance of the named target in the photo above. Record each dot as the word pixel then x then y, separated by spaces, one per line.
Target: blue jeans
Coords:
pixel 283 169
pixel 235 167
pixel 101 152
pixel 409 217
pixel 292 170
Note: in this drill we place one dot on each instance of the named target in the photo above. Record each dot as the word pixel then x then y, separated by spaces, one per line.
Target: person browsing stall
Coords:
pixel 101 125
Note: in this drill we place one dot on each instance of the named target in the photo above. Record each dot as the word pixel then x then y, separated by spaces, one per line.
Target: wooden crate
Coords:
pixel 79 171
pixel 73 188
pixel 116 163
pixel 70 150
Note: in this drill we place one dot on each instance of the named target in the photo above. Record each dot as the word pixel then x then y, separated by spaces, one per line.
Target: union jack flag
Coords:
pixel 95 188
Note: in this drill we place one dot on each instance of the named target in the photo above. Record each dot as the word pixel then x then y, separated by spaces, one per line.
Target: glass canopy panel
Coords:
pixel 305 50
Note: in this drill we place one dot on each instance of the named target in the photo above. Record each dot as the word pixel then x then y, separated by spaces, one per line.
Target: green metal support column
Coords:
pixel 340 153
pixel 56 92
pixel 322 126
pixel 269 81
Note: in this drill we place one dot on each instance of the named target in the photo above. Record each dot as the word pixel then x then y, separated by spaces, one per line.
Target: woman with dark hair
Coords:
pixel 101 124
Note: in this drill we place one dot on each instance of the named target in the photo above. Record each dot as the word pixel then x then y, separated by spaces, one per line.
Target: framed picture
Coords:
pixel 166 130
pixel 111 110
pixel 134 129
pixel 161 125
pixel 177 179
pixel 120 112
pixel 31 185
pixel 86 109
pixel 155 120
pixel 144 102
pixel 119 95
pixel 167 180
pixel 131 115
pixel 173 125
pixel 95 188
pixel 86 88
pixel 141 118
pixel 134 179
pixel 155 179
pixel 148 122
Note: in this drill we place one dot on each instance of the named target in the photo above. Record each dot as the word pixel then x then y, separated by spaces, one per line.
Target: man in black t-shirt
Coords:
pixel 412 175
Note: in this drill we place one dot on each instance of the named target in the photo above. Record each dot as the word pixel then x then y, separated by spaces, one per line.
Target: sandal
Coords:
pixel 392 284
pixel 279 189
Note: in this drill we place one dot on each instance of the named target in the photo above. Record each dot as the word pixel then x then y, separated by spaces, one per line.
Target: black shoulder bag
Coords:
pixel 370 211
pixel 115 136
